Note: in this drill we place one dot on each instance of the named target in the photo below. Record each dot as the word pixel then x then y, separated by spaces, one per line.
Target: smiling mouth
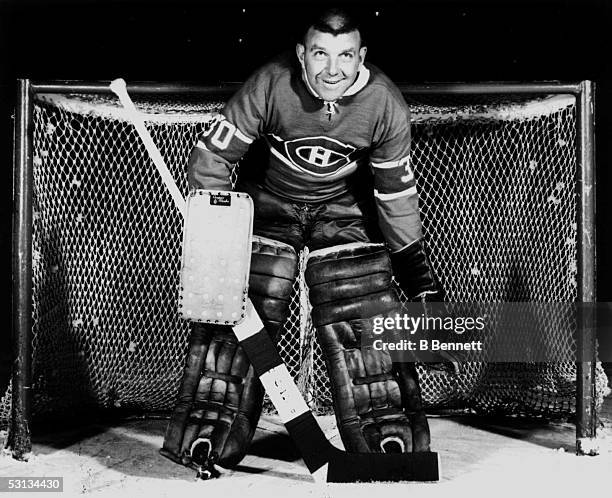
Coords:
pixel 332 82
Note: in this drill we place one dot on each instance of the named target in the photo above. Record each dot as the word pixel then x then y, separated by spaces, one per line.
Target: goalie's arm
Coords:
pixel 207 170
pixel 229 135
pixel 397 200
pixel 395 188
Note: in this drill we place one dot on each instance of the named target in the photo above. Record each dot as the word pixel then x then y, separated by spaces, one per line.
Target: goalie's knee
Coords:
pixel 273 271
pixel 351 281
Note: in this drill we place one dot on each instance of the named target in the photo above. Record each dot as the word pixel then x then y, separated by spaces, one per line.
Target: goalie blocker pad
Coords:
pixel 216 256
pixel 377 403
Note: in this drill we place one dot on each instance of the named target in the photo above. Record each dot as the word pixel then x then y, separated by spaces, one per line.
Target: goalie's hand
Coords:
pixel 413 272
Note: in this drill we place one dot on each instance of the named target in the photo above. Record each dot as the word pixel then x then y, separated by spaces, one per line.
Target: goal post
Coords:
pixel 19 436
pixel 586 417
pixel 26 159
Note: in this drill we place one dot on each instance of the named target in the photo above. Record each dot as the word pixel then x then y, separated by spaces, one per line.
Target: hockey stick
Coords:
pixel 324 461
pixel 119 88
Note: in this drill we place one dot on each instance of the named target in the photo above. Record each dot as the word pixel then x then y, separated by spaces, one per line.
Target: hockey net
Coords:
pixel 499 206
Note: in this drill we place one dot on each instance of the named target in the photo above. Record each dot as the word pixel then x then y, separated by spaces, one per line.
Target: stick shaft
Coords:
pixel 147 140
pixel 284 394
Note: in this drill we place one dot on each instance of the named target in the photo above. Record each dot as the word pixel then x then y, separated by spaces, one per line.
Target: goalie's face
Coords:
pixel 331 63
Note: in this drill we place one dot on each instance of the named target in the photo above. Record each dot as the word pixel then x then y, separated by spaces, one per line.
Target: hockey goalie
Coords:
pixel 331 173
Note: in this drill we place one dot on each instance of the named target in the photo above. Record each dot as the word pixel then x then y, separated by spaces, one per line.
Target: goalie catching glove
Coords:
pixel 414 275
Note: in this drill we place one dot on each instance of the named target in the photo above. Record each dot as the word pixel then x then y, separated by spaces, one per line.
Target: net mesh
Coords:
pixel 498 200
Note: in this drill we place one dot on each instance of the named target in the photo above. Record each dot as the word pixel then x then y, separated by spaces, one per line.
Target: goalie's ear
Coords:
pixel 362 54
pixel 299 50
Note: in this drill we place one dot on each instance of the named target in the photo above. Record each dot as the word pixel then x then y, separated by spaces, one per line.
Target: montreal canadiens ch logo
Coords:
pixel 321 156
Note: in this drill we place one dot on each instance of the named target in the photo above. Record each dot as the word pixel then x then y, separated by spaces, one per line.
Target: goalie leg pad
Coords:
pixel 220 398
pixel 273 272
pixel 377 403
pixel 219 401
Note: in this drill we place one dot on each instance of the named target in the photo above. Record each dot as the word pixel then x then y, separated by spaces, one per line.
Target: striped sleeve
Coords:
pixel 395 189
pixel 228 135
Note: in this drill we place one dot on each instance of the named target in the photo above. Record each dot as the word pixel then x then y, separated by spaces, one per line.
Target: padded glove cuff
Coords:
pixel 413 272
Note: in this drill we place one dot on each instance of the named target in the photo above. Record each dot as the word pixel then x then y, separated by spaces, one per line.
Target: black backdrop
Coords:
pixel 219 41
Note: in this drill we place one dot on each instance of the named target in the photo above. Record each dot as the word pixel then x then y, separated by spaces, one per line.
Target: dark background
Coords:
pixel 211 42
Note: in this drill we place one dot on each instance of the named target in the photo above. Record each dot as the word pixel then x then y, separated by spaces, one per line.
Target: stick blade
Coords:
pixel 381 467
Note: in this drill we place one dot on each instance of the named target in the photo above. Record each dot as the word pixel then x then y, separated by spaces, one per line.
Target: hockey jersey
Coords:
pixel 313 147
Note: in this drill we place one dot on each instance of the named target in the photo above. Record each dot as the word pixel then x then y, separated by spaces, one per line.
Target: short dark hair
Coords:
pixel 333 20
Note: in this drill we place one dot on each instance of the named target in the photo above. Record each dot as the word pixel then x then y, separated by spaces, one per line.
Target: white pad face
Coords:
pixel 216 256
